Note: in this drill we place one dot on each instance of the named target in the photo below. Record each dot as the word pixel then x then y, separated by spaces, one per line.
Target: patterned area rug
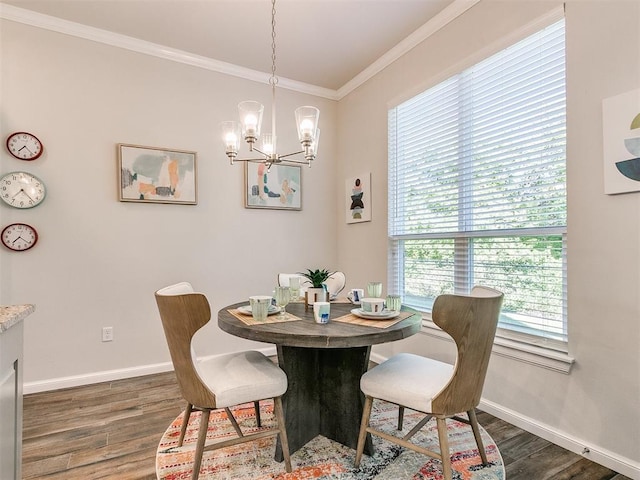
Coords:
pixel 323 458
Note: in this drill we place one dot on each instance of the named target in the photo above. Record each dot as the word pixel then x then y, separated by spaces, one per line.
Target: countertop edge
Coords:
pixel 10 315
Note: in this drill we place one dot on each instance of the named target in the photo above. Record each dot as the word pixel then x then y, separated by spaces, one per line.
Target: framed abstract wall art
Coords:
pixel 157 175
pixel 279 187
pixel 621 142
pixel 358 198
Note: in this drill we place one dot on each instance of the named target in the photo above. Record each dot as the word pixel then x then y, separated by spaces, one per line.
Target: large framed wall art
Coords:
pixel 157 175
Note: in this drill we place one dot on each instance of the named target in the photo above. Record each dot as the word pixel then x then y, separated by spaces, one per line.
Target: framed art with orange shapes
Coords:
pixel 157 175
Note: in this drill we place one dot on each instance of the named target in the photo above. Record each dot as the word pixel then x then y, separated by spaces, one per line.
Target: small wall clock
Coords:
pixel 24 146
pixel 19 237
pixel 22 190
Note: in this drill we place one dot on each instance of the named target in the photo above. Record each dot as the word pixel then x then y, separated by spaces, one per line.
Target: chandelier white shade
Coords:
pixel 250 122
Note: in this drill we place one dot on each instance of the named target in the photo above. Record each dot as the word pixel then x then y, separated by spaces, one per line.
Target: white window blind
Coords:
pixel 477 175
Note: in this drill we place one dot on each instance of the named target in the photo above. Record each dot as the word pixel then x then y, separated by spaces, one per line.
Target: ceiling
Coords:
pixel 324 43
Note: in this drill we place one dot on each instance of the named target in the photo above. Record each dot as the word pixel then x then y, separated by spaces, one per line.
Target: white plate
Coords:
pixel 246 309
pixel 384 315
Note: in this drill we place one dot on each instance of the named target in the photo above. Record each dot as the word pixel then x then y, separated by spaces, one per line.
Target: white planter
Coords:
pixel 315 295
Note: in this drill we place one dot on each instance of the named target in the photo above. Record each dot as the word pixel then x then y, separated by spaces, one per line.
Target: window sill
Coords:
pixel 524 352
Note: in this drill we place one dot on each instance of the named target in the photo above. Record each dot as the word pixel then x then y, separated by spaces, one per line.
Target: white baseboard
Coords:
pixel 97 377
pixel 107 376
pixel 618 463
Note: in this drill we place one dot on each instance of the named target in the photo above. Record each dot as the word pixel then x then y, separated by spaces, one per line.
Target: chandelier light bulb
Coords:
pixel 307 121
pixel 306 128
pixel 250 124
pixel 269 145
pixel 231 140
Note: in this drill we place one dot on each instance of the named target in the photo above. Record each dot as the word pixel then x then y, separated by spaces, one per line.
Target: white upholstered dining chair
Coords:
pixel 218 382
pixel 335 283
pixel 435 388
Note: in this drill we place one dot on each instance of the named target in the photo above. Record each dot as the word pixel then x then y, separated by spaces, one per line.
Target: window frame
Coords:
pixel 532 349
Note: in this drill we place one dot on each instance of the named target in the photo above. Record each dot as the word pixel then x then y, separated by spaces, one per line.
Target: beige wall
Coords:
pixel 596 405
pixel 98 261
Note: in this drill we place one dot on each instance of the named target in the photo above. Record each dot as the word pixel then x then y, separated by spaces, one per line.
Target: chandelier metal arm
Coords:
pixel 291 154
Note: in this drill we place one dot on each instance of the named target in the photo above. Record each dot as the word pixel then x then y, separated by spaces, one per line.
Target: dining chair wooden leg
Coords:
pixel 185 422
pixel 400 417
pixel 233 421
pixel 284 442
pixel 256 405
pixel 202 438
pixel 473 421
pixel 364 424
pixel 443 437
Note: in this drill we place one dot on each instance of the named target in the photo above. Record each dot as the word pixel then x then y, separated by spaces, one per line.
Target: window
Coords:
pixel 477 188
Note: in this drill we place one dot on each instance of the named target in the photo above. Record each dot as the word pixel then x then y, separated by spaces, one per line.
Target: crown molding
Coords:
pixel 55 24
pixel 457 8
pixel 48 22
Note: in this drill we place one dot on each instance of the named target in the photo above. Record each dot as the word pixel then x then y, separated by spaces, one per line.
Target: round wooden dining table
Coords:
pixel 323 363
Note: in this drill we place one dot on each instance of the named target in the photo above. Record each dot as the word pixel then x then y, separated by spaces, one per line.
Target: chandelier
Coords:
pixel 251 119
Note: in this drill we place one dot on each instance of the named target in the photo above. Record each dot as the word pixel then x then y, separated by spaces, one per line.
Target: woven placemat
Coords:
pixel 275 318
pixel 356 320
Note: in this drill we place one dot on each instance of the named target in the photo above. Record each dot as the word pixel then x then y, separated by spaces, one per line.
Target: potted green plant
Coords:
pixel 317 277
pixel 318 291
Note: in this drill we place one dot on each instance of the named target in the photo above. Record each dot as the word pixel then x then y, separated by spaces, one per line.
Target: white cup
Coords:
pixel 260 307
pixel 372 305
pixel 321 312
pixel 356 294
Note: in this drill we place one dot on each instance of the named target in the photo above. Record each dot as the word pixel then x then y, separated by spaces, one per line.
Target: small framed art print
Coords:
pixel 358 198
pixel 278 187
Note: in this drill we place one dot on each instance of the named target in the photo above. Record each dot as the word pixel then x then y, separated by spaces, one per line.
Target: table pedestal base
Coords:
pixel 323 396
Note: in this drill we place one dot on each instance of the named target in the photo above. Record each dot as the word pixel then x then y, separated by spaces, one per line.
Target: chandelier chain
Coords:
pixel 274 79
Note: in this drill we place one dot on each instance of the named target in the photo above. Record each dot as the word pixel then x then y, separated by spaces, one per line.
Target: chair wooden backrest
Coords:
pixel 183 312
pixel 471 321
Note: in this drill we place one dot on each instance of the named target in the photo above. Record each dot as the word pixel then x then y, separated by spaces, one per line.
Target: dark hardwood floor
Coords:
pixel 111 430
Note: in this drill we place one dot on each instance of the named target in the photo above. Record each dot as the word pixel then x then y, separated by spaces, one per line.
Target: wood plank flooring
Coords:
pixel 111 431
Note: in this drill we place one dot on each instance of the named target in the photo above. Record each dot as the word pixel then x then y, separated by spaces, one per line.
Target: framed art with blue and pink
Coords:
pixel 278 187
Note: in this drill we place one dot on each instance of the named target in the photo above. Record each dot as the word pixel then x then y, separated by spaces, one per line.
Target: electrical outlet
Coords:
pixel 107 334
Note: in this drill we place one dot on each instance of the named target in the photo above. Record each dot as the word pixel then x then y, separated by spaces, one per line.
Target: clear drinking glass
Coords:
pixel 394 303
pixel 283 297
pixel 374 289
pixel 294 285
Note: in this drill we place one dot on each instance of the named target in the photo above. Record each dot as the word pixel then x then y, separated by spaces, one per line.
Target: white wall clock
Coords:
pixel 19 237
pixel 22 190
pixel 24 146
